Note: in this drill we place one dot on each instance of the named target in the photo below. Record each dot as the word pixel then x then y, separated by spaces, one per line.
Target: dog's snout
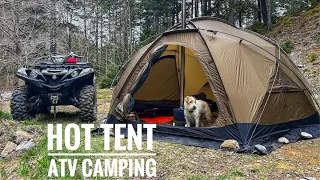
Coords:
pixel 194 107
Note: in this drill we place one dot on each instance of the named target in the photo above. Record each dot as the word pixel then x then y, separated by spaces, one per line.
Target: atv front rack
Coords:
pixel 65 65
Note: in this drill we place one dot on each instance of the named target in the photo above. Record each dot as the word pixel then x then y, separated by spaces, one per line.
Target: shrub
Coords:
pixel 260 28
pixel 287 46
pixel 311 57
pixel 113 74
pixel 105 82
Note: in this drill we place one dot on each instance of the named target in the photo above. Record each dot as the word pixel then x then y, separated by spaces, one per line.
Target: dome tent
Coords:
pixel 260 94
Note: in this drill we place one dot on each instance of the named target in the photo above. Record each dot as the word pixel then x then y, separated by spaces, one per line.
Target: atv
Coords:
pixel 61 82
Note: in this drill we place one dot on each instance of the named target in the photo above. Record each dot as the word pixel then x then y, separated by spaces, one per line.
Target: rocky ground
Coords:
pixel 301 36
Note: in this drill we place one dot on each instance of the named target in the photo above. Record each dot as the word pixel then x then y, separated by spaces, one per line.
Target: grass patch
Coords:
pixel 283 24
pixel 5 115
pixel 222 177
pixel 287 46
pixel 315 63
pixel 104 93
pixel 31 122
pixel 311 57
pixel 35 162
pixel 3 174
pixel 237 173
pixel 195 177
pixel 254 170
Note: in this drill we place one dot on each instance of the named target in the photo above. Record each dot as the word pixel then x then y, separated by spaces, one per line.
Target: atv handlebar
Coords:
pixel 76 56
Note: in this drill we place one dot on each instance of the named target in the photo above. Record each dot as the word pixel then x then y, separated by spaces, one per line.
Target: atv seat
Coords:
pixel 71 60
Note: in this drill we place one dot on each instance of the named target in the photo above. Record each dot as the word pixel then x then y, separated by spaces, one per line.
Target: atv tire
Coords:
pixel 19 104
pixel 88 103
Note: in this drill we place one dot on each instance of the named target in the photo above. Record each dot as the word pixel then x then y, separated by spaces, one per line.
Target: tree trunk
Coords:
pixel 204 8
pixel 53 44
pixel 231 12
pixel 264 11
pixel 259 11
pixel 209 11
pixel 218 7
pixel 85 32
pixel 192 10
pixel 196 12
pixel 269 24
pixel 70 33
pixel 177 10
pixel 240 19
pixel 101 38
pixel 173 14
pixel 97 34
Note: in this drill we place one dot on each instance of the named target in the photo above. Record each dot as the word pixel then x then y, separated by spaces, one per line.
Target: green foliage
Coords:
pixel 310 14
pixel 5 115
pixel 294 7
pixel 25 166
pixel 259 28
pixel 311 57
pixel 31 122
pixel 111 77
pixel 104 93
pixel 287 46
pixel 196 178
pixel 3 173
pixel 237 173
pixel 283 24
pixel 255 170
pixel 222 177
pixel 105 82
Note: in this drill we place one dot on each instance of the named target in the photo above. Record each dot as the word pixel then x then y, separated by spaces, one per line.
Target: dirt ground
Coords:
pixel 292 161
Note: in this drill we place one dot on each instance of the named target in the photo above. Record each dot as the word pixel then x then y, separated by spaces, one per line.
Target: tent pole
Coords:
pixel 182 64
pixel 182 55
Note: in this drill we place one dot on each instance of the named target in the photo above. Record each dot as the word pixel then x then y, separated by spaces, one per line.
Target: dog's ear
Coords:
pixel 186 98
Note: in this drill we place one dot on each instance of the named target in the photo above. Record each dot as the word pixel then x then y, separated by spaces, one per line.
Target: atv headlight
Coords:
pixel 33 74
pixel 74 74
pixel 86 71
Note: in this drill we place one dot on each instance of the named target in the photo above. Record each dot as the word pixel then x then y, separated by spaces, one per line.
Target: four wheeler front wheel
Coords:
pixel 19 104
pixel 88 103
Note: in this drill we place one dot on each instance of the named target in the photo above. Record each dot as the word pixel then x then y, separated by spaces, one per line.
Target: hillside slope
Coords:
pixel 301 35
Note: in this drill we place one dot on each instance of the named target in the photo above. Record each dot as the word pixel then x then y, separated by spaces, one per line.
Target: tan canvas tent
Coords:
pixel 258 90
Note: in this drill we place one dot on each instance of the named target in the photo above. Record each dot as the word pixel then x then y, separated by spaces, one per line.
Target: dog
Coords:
pixel 195 111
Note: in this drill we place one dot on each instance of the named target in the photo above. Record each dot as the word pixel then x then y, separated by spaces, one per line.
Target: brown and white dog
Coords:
pixel 195 111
